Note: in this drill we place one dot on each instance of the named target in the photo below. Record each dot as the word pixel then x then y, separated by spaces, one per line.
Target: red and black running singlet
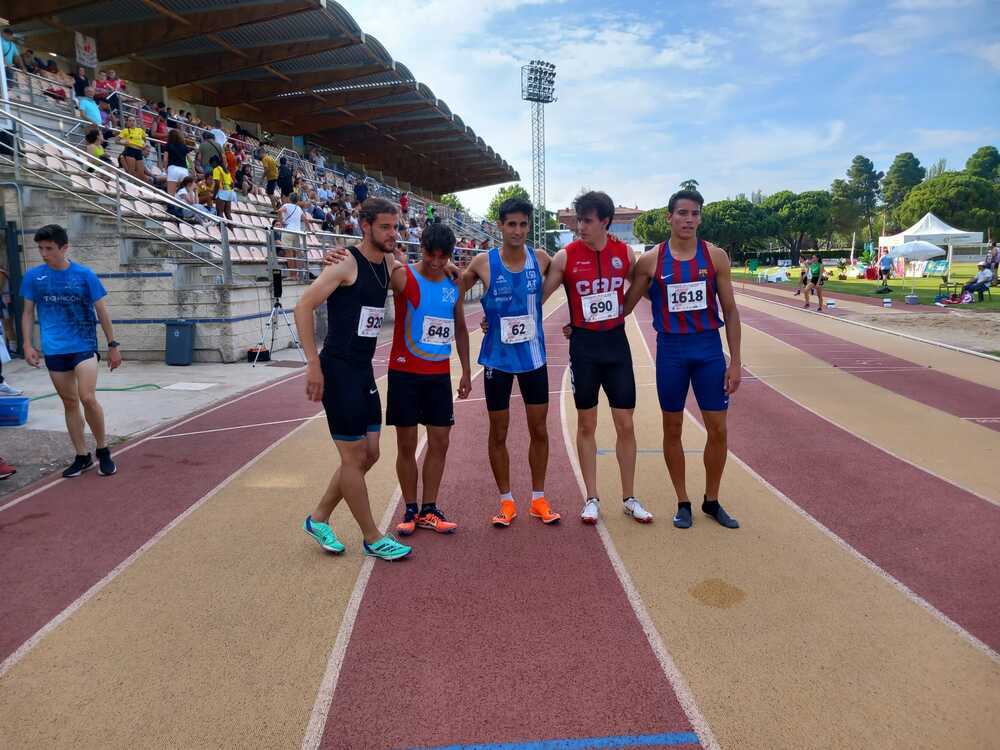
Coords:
pixel 683 292
pixel 595 284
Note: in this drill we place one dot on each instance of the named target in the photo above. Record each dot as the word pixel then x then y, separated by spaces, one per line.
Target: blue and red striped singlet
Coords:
pixel 683 292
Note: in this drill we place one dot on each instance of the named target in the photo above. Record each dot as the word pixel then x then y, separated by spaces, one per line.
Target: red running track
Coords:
pixel 937 539
pixel 500 635
pixel 963 398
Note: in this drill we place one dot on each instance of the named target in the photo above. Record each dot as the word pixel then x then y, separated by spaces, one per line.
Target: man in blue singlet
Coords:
pixel 688 280
pixel 514 347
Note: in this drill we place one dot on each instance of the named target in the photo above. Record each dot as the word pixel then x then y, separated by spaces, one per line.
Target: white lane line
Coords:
pixel 68 612
pixel 901 587
pixel 670 670
pixel 235 427
pixel 328 685
pixel 889 331
pixel 561 390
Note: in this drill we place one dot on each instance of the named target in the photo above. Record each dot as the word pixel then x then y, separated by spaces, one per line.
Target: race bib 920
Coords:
pixel 689 296
pixel 370 321
pixel 598 307
pixel 517 329
pixel 437 331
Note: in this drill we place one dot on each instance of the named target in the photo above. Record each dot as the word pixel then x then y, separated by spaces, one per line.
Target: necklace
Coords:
pixel 383 284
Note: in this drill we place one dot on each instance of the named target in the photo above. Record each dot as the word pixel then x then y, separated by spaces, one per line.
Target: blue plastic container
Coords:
pixel 13 410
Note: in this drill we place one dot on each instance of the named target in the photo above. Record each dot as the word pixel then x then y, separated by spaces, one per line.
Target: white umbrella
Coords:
pixel 916 250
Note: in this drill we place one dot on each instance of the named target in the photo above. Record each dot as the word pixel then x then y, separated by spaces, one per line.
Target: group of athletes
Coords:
pixel 686 280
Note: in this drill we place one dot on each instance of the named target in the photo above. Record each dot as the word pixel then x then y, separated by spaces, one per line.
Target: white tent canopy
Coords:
pixel 932 229
pixel 916 250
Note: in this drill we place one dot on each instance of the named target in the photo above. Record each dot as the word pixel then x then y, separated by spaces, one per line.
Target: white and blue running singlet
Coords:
pixel 514 340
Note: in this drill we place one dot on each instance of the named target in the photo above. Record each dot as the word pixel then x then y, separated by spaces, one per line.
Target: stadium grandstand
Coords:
pixel 307 113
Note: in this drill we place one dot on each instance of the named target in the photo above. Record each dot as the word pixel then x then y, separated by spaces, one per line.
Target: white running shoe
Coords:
pixel 634 508
pixel 591 510
pixel 8 390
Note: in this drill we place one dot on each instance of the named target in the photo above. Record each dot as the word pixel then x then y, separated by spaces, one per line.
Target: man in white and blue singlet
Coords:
pixel 514 347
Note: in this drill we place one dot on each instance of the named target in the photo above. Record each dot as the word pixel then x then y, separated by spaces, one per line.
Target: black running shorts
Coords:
pixel 534 386
pixel 601 359
pixel 350 398
pixel 419 399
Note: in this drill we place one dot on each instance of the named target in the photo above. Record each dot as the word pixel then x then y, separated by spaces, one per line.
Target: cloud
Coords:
pixel 945 138
pixel 897 35
pixel 991 54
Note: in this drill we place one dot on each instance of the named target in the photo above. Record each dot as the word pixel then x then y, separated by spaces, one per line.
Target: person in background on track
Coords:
pixel 429 314
pixel 342 377
pixel 594 270
pixel 803 276
pixel 688 280
pixel 816 279
pixel 514 347
pixel 67 295
pixel 885 271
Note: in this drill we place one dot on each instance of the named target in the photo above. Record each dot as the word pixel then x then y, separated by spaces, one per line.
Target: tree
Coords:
pixel 904 175
pixel 690 184
pixel 864 182
pixel 736 225
pixel 844 212
pixel 511 191
pixel 937 169
pixel 651 226
pixel 984 163
pixel 451 200
pixel 797 217
pixel 961 199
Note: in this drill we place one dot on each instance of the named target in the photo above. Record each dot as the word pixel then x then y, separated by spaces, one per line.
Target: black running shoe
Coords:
pixel 107 466
pixel 719 514
pixel 80 464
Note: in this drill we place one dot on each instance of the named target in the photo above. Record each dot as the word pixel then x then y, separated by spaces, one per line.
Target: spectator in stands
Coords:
pixel 323 193
pixel 134 139
pixel 108 118
pixel 222 187
pixel 175 160
pixel 88 107
pixel 360 192
pixel 286 182
pixel 187 193
pixel 95 145
pixel 154 173
pixel 270 173
pixel 11 54
pixel 219 134
pixel 290 214
pixel 114 85
pixel 206 151
pixel 981 283
pixel 404 205
pixel 413 232
pixel 243 179
pixel 61 82
pixel 230 157
pixel 80 82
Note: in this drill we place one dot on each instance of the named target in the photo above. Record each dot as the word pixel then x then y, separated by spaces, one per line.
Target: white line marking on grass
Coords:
pixel 68 612
pixel 905 590
pixel 670 670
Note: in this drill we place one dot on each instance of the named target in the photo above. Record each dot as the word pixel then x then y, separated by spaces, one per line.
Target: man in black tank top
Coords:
pixel 341 375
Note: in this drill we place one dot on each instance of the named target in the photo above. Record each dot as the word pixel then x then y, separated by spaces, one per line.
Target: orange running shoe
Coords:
pixel 508 512
pixel 408 525
pixel 540 509
pixel 435 521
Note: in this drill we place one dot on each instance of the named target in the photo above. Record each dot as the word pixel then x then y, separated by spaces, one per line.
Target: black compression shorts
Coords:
pixel 601 359
pixel 351 399
pixel 419 399
pixel 534 386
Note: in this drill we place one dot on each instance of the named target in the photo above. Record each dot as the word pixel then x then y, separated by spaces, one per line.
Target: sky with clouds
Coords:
pixel 740 95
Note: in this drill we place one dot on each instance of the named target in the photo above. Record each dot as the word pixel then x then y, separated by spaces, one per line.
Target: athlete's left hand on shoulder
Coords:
pixel 567 330
pixel 734 373
pixel 464 386
pixel 114 358
pixel 334 256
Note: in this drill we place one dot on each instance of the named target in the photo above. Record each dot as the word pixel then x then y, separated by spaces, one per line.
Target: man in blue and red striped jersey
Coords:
pixel 688 280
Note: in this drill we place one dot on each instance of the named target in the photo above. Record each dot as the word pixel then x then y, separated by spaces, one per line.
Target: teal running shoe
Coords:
pixel 323 535
pixel 387 548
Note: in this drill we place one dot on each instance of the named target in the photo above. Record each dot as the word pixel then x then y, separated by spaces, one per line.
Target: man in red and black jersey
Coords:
pixel 594 270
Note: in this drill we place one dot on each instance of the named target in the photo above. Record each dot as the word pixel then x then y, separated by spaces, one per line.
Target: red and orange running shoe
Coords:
pixel 507 514
pixel 409 523
pixel 540 509
pixel 434 520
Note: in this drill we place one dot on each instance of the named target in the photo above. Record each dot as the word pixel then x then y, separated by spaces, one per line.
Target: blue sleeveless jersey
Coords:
pixel 425 325
pixel 513 295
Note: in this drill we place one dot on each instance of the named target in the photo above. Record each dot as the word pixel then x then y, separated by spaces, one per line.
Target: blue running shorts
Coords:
pixel 695 360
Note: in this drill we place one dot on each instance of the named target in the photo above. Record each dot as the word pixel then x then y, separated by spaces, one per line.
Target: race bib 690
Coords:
pixel 598 307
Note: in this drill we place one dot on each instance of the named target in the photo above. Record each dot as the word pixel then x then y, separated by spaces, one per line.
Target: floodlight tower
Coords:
pixel 538 86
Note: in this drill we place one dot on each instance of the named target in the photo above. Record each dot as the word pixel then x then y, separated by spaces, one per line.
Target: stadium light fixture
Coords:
pixel 538 86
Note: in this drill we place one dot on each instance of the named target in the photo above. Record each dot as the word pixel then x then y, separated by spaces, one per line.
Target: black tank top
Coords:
pixel 355 312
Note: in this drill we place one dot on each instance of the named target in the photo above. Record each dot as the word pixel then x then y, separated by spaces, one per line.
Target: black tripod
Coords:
pixel 277 311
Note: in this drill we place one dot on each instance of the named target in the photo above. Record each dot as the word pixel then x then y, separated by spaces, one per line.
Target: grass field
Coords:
pixel 926 288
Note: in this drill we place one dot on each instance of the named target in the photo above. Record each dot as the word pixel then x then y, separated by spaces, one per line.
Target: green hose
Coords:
pixel 144 386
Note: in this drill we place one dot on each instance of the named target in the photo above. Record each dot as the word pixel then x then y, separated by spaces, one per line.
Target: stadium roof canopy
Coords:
pixel 297 67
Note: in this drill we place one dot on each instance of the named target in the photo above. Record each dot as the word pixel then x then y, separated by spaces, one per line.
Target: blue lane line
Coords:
pixel 586 743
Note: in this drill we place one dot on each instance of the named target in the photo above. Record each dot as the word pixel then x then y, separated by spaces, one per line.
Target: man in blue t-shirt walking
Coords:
pixel 66 296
